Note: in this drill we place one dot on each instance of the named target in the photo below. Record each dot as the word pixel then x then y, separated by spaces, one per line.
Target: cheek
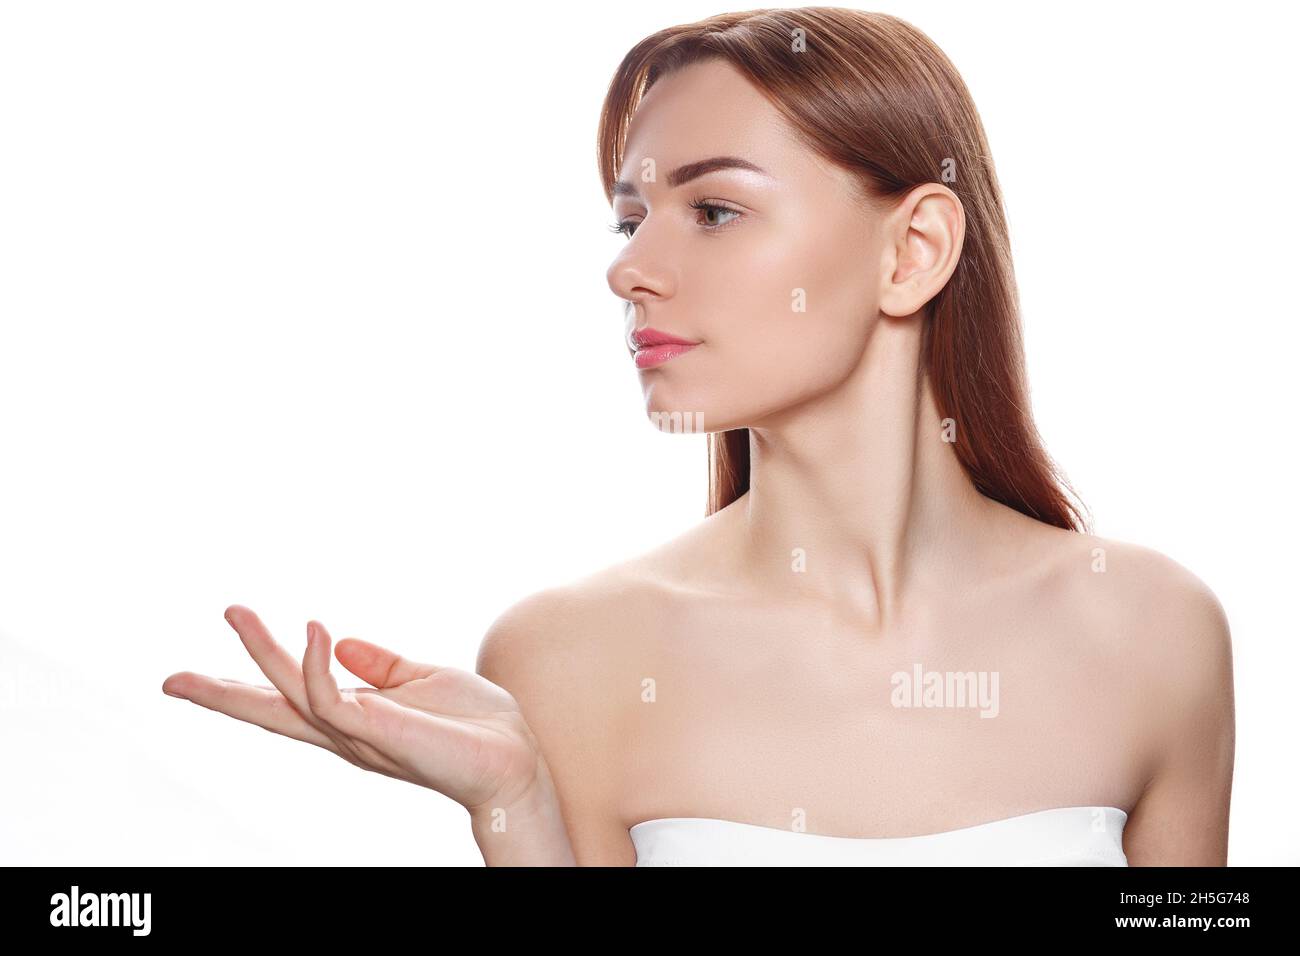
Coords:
pixel 796 311
pixel 785 315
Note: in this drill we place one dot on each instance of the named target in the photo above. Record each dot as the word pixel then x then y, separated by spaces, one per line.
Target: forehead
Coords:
pixel 709 109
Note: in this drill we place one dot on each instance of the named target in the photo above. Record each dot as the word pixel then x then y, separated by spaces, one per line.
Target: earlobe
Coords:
pixel 927 230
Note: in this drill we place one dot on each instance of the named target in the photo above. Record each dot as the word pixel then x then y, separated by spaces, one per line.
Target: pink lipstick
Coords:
pixel 652 347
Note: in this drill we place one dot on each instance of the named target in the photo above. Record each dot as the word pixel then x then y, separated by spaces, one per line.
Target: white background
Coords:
pixel 303 307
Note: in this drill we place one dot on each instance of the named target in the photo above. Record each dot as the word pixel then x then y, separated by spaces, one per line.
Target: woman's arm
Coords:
pixel 1182 817
pixel 526 831
pixel 560 653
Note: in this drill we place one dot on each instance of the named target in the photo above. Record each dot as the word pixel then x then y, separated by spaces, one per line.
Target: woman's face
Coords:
pixel 779 286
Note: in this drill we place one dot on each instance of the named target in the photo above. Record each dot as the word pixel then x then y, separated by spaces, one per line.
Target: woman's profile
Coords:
pixel 893 638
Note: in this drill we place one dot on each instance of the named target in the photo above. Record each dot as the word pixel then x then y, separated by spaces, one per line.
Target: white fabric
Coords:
pixel 1061 836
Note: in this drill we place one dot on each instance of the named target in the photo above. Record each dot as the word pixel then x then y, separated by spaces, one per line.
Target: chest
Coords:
pixel 784 718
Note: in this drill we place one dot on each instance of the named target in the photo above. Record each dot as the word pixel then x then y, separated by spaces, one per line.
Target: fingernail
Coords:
pixel 310 633
pixel 172 693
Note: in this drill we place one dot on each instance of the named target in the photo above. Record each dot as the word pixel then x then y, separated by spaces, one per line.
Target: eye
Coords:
pixel 709 207
pixel 627 227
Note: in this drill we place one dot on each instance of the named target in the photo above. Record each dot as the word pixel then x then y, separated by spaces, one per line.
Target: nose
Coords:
pixel 631 276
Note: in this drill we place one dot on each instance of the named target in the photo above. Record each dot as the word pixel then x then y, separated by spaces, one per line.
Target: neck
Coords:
pixel 862 480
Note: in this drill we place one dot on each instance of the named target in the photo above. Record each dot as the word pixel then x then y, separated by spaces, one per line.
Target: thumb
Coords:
pixel 377 665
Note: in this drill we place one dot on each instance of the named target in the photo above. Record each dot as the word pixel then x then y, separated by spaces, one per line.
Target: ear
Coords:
pixel 922 244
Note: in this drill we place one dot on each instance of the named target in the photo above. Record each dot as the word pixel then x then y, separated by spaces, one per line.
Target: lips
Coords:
pixel 653 347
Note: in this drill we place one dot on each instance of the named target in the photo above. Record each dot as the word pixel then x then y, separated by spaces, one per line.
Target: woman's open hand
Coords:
pixel 440 727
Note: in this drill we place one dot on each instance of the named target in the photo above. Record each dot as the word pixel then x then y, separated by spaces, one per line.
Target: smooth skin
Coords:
pixel 709 677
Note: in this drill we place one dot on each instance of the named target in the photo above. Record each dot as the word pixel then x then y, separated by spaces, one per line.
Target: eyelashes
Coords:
pixel 715 207
pixel 627 227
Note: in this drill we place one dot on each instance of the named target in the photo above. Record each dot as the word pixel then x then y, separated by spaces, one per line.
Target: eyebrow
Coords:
pixel 689 171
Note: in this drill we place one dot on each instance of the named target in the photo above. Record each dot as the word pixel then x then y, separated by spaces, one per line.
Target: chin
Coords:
pixel 679 421
pixel 676 410
pixel 689 415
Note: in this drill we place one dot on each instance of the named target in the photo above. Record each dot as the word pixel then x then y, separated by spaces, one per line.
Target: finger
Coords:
pixel 323 696
pixel 366 722
pixel 253 704
pixel 345 691
pixel 280 667
pixel 377 665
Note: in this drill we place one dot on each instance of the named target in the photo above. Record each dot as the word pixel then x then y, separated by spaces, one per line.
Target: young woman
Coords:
pixel 892 640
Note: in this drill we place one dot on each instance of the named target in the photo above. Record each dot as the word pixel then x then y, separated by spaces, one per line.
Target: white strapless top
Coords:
pixel 1061 836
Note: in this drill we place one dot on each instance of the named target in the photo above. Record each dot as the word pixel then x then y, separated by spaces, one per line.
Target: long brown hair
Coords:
pixel 873 94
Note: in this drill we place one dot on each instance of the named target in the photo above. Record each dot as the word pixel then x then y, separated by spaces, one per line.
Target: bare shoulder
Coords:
pixel 567 628
pixel 541 630
pixel 581 628
pixel 1168 633
pixel 1164 615
pixel 564 654
pixel 1127 600
pixel 557 650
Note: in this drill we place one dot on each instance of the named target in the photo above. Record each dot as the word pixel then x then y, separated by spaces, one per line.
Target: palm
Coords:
pixel 440 727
